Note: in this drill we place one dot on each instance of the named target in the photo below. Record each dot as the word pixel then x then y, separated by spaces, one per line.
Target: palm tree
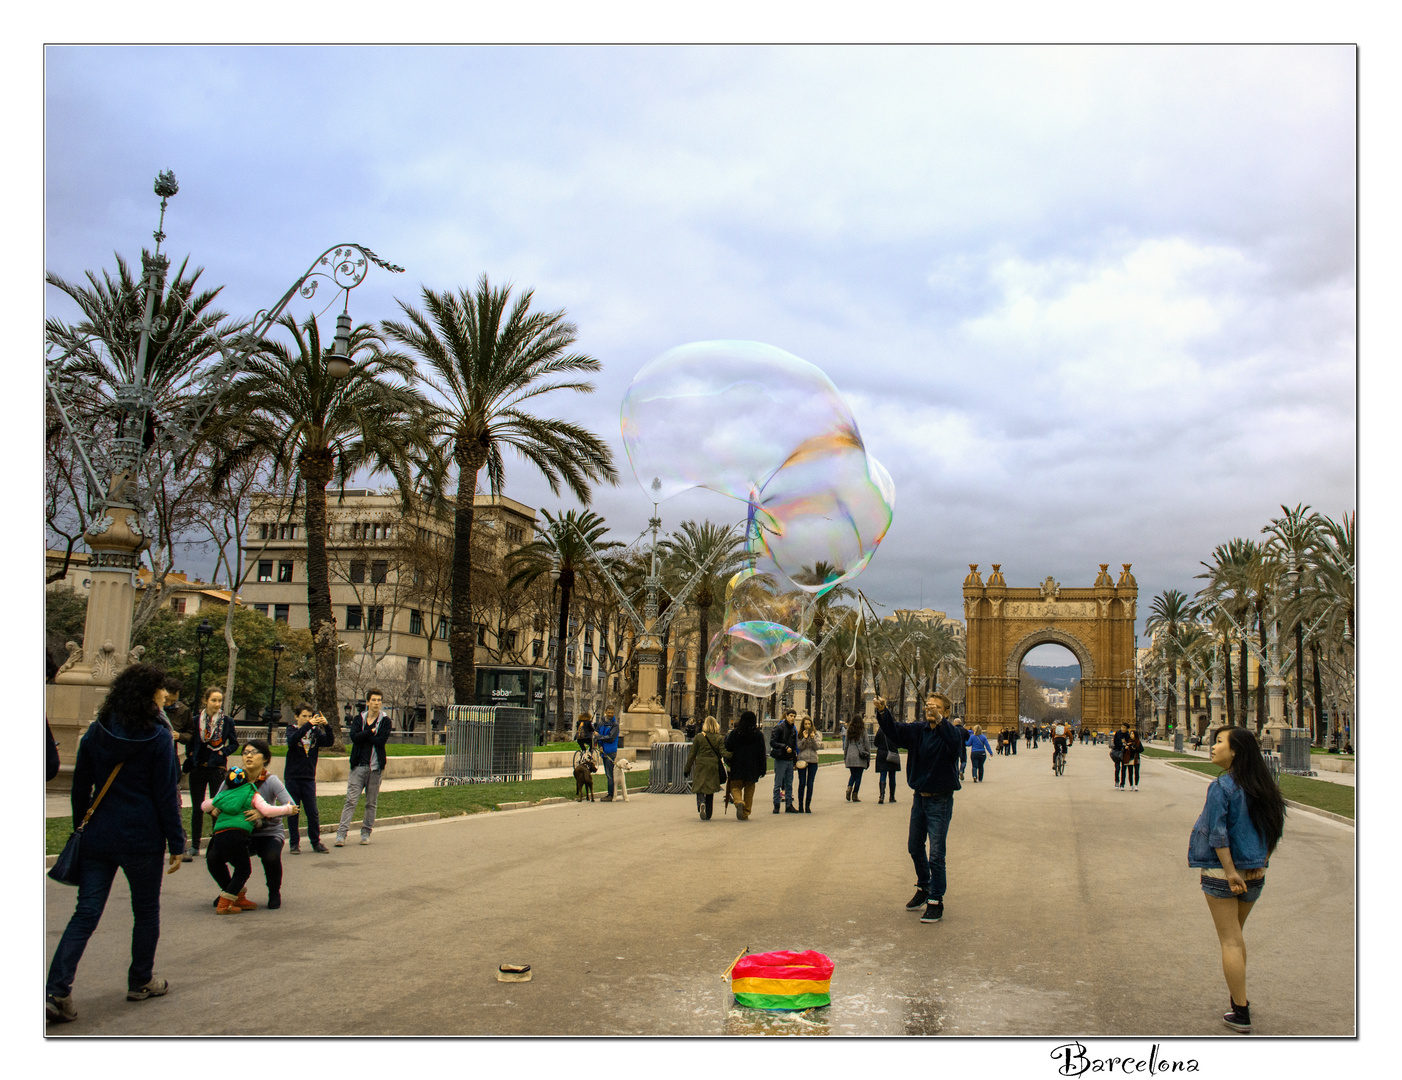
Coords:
pixel 720 548
pixel 1167 612
pixel 323 427
pixel 1294 536
pixel 815 575
pixel 1229 591
pixel 563 547
pixel 486 361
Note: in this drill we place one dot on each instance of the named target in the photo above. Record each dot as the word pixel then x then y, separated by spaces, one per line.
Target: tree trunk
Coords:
pixel 1261 672
pixel 1318 695
pixel 563 721
pixel 1173 694
pixel 1227 667
pixel 818 690
pixel 702 697
pixel 316 472
pixel 837 697
pixel 462 635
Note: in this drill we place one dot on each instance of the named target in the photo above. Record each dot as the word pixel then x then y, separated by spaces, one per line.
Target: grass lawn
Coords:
pixel 1154 751
pixel 1321 794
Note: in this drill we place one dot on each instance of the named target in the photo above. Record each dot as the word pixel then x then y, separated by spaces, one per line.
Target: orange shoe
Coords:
pixel 242 902
pixel 228 905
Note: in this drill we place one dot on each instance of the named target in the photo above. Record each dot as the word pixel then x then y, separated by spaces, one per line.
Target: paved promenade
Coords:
pixel 1070 912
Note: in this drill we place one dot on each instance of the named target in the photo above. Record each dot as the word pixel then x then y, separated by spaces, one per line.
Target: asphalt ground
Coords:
pixel 1071 911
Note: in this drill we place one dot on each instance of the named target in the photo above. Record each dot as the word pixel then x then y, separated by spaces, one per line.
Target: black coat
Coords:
pixel 302 751
pixel 215 753
pixel 748 762
pixel 367 739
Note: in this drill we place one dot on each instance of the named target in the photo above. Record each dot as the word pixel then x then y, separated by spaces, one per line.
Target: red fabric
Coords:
pixel 783 965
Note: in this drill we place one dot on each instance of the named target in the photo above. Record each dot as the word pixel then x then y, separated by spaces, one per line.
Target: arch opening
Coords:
pixel 1049 678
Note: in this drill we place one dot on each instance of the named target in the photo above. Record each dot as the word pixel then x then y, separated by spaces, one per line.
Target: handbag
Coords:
pixel 893 757
pixel 65 870
pixel 1117 756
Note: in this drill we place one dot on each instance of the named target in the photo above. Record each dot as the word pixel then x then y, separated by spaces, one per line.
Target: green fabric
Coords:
pixel 703 764
pixel 783 1001
pixel 231 805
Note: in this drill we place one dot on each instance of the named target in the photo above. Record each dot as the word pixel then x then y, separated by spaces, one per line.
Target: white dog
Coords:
pixel 621 765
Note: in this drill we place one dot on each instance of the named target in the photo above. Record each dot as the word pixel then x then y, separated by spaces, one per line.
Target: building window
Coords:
pixel 416 621
pixel 515 534
pixel 287 532
pixel 354 616
pixel 284 571
pixel 177 605
pixel 412 668
pixel 442 628
pixel 441 668
pixel 263 531
pixel 376 613
pixel 379 571
pixel 357 573
pixel 511 639
pixel 280 612
pixel 588 661
pixel 265 569
pixel 262 609
pixel 481 634
pixel 535 650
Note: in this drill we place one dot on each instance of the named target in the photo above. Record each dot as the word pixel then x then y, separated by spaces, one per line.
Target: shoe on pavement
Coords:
pixel 154 988
pixel 1238 1018
pixel 187 857
pixel 934 911
pixel 792 809
pixel 776 808
pixel 295 849
pixel 340 841
pixel 274 901
pixel 364 841
pixel 226 905
pixel 321 849
pixel 917 901
pixel 59 1010
pixel 243 903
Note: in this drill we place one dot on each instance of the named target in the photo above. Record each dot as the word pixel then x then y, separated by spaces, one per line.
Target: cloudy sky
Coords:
pixel 1087 304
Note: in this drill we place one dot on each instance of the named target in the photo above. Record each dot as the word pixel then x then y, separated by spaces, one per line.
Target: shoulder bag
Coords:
pixel 65 870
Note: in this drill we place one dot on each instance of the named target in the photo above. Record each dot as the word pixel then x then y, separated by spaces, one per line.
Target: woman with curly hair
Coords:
pixel 127 750
pixel 1239 827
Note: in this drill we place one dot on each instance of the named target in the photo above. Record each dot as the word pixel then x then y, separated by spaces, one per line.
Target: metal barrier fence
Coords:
pixel 1294 751
pixel 1272 760
pixel 666 765
pixel 487 744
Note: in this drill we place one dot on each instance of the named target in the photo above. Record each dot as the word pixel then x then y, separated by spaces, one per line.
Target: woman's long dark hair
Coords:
pixel 748 722
pixel 131 704
pixel 1264 802
pixel 856 727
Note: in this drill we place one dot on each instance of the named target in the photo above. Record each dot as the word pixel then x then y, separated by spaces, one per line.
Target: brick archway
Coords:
pixel 1096 624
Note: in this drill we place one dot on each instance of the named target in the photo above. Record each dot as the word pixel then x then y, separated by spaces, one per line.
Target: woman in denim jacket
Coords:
pixel 1232 841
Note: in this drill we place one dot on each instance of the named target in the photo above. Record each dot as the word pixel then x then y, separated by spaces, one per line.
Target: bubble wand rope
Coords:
pixel 862 597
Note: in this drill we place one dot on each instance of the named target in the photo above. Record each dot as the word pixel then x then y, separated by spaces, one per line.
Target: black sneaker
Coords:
pixel 1239 1018
pixel 776 808
pixel 917 901
pixel 295 849
pixel 791 809
pixel 321 849
pixel 274 901
pixel 934 911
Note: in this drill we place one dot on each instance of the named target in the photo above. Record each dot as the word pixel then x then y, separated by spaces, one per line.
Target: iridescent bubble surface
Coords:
pixel 765 427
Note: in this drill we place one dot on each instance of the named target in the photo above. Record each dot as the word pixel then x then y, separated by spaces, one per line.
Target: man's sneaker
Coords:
pixel 790 808
pixel 934 911
pixel 321 849
pixel 154 988
pixel 295 849
pixel 59 1010
pixel 340 841
pixel 776 808
pixel 364 840
pixel 917 901
pixel 1239 1018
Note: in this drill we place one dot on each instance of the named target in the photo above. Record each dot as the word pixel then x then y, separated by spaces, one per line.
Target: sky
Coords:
pixel 1087 304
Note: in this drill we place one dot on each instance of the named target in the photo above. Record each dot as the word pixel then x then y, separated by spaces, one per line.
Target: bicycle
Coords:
pixel 1058 761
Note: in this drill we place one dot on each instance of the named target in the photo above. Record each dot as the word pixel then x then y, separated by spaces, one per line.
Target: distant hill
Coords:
pixel 1060 678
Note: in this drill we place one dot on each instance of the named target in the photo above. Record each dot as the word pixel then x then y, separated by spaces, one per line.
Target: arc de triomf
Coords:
pixel 1095 624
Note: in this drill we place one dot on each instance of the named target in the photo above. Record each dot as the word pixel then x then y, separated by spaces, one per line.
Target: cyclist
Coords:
pixel 1061 736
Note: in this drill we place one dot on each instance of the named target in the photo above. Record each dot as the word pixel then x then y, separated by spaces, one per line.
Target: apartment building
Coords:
pixel 391 593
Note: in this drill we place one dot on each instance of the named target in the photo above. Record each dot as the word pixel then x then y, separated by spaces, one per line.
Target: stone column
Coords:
pixel 115 541
pixel 1182 704
pixel 644 722
pixel 1216 697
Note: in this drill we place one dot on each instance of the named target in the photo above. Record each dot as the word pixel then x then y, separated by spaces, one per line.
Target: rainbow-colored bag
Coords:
pixel 782 980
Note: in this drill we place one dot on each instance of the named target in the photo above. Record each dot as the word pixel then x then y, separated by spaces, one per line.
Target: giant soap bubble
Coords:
pixel 763 426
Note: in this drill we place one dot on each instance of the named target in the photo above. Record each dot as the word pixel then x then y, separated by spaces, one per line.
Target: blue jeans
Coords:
pixel 881 776
pixel 978 759
pixel 608 768
pixel 854 773
pixel 783 778
pixel 806 776
pixel 96 874
pixel 929 819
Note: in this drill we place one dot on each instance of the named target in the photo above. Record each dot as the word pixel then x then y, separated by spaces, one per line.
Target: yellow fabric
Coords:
pixel 780 986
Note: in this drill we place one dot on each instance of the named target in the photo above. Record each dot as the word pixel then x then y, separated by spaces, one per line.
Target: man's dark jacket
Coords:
pixel 932 758
pixel 301 760
pixel 783 742
pixel 366 739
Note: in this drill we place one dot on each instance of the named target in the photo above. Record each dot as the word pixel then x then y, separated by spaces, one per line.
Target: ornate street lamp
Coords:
pixel 203 633
pixel 274 714
pixel 114 467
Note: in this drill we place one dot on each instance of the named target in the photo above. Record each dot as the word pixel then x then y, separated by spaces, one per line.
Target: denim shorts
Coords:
pixel 1216 886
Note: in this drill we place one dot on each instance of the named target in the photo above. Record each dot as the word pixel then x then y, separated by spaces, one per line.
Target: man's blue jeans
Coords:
pixel 929 821
pixel 783 778
pixel 96 874
pixel 608 768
